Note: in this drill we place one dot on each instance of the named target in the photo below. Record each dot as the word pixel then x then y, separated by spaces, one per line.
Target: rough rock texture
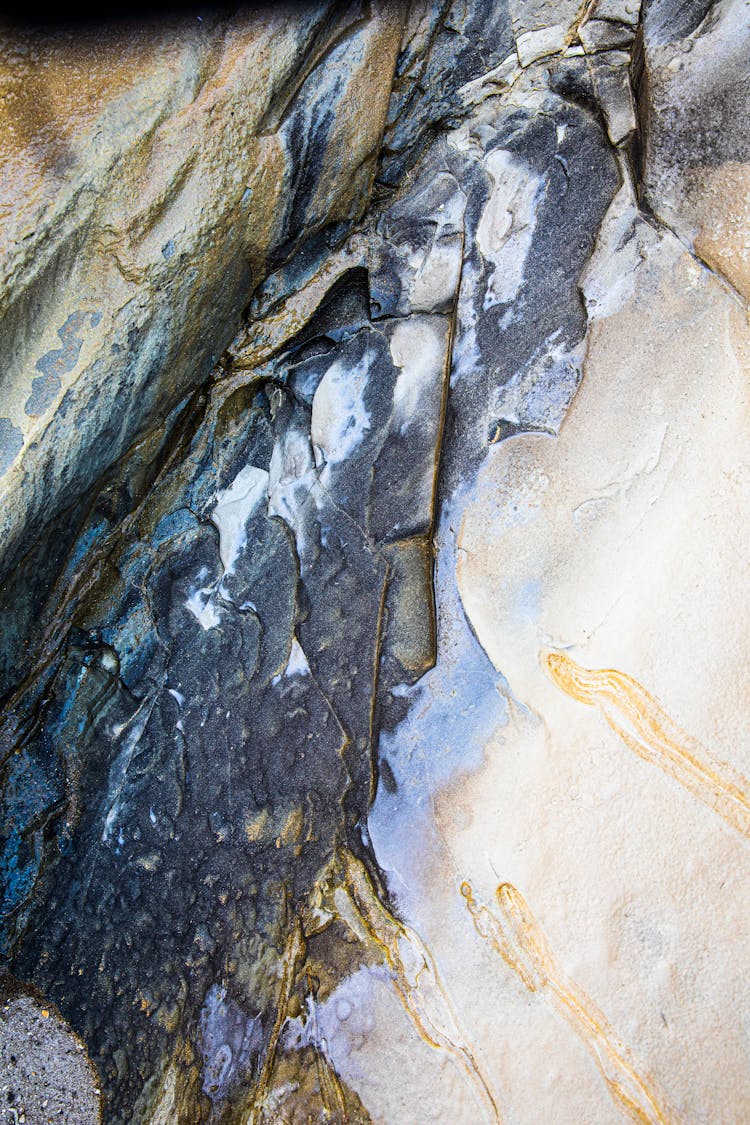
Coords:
pixel 372 746
pixel 151 180
pixel 45 1075
pixel 695 108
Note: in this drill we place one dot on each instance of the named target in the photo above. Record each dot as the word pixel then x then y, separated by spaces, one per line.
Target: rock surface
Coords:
pixel 372 746
pixel 151 180
pixel 697 147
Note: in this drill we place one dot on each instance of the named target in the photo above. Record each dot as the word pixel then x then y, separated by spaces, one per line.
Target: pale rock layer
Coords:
pixel 619 543
pixel 374 746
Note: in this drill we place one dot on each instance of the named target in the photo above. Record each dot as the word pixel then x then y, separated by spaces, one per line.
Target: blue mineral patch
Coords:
pixel 229 1042
pixel 18 870
pixel 32 788
pixel 59 361
pixel 11 443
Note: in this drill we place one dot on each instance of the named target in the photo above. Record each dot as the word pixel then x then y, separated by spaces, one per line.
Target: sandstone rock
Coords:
pixel 646 492
pixel 376 751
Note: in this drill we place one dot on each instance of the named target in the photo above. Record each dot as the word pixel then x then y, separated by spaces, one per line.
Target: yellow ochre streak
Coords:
pixel 516 935
pixel 415 976
pixel 646 728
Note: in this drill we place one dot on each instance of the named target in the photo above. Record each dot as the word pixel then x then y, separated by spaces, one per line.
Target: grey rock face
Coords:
pixel 445 46
pixel 694 109
pixel 240 666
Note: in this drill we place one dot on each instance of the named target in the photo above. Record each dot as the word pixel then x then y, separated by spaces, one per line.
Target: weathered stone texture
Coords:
pixel 151 178
pixel 695 108
pixel 374 677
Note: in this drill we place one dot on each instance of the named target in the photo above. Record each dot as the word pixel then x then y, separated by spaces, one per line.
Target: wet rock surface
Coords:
pixel 153 178
pixel 275 727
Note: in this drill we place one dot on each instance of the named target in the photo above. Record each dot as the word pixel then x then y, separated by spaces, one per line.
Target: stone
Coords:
pixel 611 77
pixel 535 45
pixel 372 734
pixel 153 182
pixel 640 525
pixel 627 12
pixel 697 152
pixel 447 43
pixel 604 35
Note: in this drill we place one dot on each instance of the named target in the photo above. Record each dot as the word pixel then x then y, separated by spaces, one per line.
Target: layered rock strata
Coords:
pixel 372 736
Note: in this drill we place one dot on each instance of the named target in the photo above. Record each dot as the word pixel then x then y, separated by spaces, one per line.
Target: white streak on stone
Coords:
pixel 506 227
pixel 234 506
pixel 135 727
pixel 466 355
pixel 202 608
pixel 297 664
pixel 340 419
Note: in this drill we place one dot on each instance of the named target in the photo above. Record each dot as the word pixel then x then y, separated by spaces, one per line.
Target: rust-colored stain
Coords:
pixel 516 935
pixel 645 727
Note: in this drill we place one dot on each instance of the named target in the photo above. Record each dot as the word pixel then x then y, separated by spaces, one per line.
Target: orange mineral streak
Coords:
pixel 645 728
pixel 415 977
pixel 516 935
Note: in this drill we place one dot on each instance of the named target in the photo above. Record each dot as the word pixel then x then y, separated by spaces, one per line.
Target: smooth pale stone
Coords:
pixel 611 74
pixel 234 506
pixel 339 416
pixel 623 541
pixel 619 11
pixel 533 45
pixel 418 351
pixel 368 1034
pixel 437 277
pixel 622 243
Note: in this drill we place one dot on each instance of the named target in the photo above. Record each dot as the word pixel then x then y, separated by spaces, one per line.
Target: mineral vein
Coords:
pixel 415 977
pixel 645 727
pixel 293 955
pixel 516 935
